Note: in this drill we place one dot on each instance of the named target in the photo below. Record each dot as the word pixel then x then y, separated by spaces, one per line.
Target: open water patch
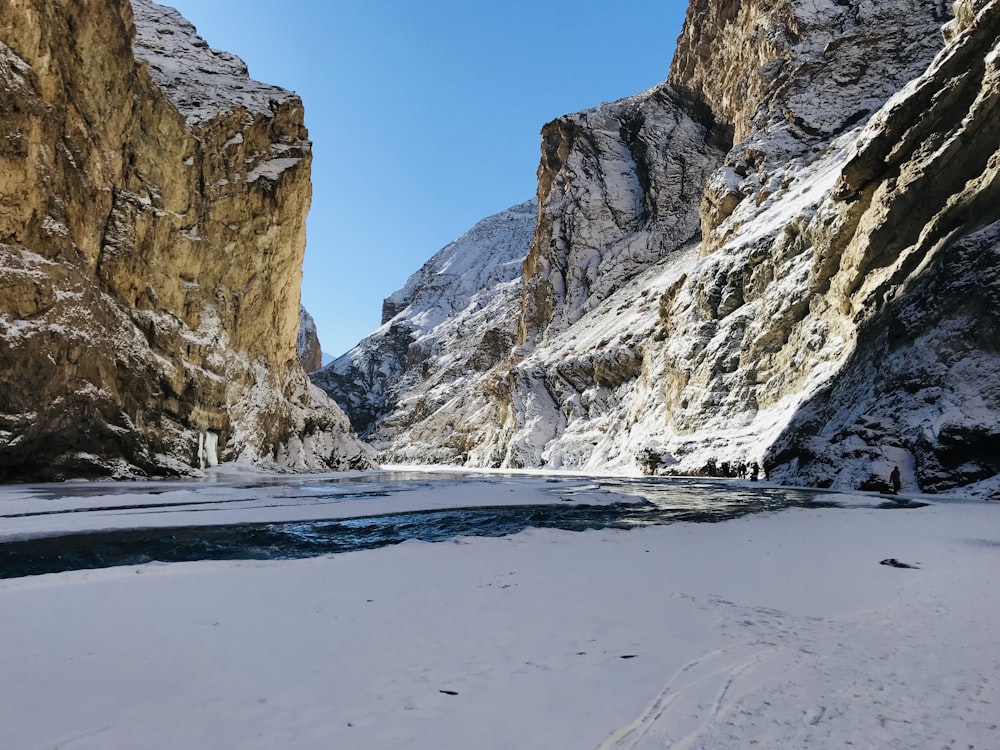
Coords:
pixel 657 502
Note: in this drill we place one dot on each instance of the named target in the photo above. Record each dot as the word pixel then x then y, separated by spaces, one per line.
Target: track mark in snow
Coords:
pixel 697 693
pixel 72 739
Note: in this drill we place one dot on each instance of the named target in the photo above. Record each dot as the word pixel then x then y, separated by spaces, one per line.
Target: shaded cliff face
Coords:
pixel 307 343
pixel 153 203
pixel 917 230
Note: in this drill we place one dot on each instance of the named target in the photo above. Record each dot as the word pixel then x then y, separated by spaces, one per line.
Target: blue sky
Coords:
pixel 425 116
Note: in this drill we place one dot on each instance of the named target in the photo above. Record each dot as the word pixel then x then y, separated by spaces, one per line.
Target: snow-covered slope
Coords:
pixel 786 253
pixel 442 335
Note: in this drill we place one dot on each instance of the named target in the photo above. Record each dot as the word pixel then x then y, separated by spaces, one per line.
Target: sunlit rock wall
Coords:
pixel 152 225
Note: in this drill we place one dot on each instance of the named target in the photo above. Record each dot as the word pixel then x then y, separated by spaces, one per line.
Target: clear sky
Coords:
pixel 425 116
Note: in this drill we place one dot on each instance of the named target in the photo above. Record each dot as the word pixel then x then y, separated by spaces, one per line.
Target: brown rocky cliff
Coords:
pixel 725 53
pixel 152 226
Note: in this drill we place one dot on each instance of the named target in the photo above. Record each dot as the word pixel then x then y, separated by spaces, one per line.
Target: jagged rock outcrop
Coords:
pixel 307 342
pixel 618 190
pixel 423 387
pixel 152 224
pixel 787 252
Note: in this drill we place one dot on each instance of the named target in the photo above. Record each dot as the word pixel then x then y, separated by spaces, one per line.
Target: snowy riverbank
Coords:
pixel 777 631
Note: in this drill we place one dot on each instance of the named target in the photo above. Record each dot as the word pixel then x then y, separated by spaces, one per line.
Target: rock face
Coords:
pixel 915 219
pixel 785 253
pixel 790 77
pixel 152 212
pixel 307 343
pixel 618 189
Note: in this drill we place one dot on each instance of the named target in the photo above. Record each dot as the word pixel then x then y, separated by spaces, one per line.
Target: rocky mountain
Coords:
pixel 152 225
pixel 786 253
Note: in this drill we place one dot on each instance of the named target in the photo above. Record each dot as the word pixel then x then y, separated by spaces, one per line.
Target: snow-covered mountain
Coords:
pixel 152 229
pixel 787 252
pixel 442 334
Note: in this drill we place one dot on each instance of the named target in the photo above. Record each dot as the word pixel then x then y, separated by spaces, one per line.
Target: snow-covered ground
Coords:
pixel 773 631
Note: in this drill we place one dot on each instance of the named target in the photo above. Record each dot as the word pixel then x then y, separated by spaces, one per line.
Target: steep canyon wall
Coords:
pixel 152 225
pixel 785 252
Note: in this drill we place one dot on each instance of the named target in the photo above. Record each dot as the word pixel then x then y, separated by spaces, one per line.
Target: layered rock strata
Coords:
pixel 153 201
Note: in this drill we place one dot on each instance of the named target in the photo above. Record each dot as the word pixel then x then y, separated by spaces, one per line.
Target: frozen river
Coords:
pixel 58 527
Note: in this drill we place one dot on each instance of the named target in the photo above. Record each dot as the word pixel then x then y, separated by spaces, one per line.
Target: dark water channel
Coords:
pixel 656 502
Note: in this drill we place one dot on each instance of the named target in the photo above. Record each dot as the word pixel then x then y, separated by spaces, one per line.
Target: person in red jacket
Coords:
pixel 894 480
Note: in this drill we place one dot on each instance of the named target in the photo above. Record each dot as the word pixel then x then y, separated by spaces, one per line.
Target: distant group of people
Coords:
pixel 741 470
pixel 752 471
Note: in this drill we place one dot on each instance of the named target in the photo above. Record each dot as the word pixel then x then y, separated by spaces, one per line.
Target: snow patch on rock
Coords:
pixel 201 82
